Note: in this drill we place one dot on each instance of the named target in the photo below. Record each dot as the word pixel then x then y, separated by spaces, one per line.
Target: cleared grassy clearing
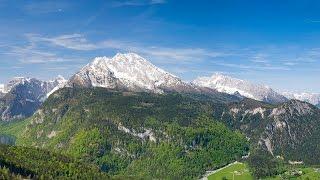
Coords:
pixel 237 171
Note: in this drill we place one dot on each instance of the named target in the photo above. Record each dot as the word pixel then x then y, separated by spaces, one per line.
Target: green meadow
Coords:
pixel 237 171
pixel 240 171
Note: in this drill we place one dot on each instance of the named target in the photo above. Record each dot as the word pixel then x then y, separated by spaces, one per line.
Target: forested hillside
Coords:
pixel 169 135
pixel 22 162
pixel 136 134
pixel 289 130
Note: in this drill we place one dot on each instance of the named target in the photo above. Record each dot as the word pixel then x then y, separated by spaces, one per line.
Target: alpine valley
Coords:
pixel 125 118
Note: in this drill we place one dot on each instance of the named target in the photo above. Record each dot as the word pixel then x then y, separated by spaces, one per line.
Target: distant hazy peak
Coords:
pixel 313 98
pixel 230 85
pixel 2 90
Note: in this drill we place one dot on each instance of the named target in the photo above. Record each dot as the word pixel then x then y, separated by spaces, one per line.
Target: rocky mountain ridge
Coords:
pixel 313 98
pixel 23 96
pixel 286 130
pixel 227 84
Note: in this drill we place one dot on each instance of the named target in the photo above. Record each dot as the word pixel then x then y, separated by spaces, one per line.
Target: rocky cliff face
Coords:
pixel 285 130
pixel 23 96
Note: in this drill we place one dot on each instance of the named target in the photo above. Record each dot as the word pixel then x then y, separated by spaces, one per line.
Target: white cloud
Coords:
pixel 137 3
pixel 32 54
pixel 260 58
pixel 157 1
pixel 166 55
pixel 71 41
pixel 252 67
pixel 41 7
pixel 79 42
pixel 290 63
pixel 183 54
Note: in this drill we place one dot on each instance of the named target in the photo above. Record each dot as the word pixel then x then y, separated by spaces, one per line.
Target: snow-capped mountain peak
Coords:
pixel 60 79
pixel 129 71
pixel 56 84
pixel 313 98
pixel 230 85
pixel 2 90
pixel 22 96
pixel 16 81
pixel 42 87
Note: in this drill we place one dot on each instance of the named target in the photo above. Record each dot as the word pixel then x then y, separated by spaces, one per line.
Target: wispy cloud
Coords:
pixel 33 53
pixel 137 3
pixel 41 7
pixel 70 41
pixel 80 43
pixel 312 21
pixel 29 54
pixel 252 67
pixel 249 60
pixel 34 56
pixel 260 58
pixel 290 63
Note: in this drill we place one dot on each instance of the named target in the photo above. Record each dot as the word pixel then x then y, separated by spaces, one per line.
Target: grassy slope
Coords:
pixel 239 170
pixel 15 129
pixel 308 173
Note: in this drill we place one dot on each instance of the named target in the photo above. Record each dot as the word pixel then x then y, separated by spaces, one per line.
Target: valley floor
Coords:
pixel 240 171
pixel 236 170
pixel 299 174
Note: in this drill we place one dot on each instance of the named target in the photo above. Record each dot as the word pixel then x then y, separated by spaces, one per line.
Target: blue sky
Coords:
pixel 268 42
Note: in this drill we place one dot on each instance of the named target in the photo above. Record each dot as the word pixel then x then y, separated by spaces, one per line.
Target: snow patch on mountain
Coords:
pixel 227 84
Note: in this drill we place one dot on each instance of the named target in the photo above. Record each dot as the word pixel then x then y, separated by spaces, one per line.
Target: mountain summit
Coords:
pixel 227 84
pixel 127 71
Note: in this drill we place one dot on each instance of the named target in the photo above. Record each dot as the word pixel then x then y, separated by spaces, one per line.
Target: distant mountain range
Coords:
pixel 313 98
pixel 227 84
pixel 21 97
pixel 133 73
